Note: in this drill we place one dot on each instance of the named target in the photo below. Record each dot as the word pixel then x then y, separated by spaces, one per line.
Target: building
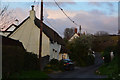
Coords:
pixel 28 32
pixel 63 53
pixel 76 34
pixel 9 30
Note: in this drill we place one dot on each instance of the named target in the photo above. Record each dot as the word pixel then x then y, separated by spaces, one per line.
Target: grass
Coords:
pixel 110 69
pixel 30 75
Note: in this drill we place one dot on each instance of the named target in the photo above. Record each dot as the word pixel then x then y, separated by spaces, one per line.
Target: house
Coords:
pixel 8 30
pixel 28 32
pixel 63 53
pixel 76 34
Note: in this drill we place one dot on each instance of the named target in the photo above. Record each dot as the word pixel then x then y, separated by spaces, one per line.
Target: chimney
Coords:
pixel 17 22
pixel 32 13
pixel 75 30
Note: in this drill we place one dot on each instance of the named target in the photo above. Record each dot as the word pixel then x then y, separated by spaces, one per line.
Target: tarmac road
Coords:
pixel 80 72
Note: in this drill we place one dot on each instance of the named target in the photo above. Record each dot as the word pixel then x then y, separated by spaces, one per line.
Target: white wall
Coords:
pixel 74 36
pixel 28 33
pixel 4 34
pixel 57 48
pixel 64 54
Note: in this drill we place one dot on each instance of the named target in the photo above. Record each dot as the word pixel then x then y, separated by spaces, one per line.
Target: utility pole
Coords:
pixel 41 29
pixel 80 29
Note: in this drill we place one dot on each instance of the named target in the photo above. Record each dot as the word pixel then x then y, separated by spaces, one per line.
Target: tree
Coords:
pixel 68 33
pixel 79 49
pixel 6 17
pixel 101 33
pixel 101 41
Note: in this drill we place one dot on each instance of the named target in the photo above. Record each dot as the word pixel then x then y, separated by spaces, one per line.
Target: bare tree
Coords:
pixel 6 17
pixel 68 33
pixel 101 33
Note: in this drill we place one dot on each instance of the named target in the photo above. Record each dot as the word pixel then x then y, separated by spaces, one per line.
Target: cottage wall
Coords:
pixel 28 33
pixel 74 36
pixel 54 50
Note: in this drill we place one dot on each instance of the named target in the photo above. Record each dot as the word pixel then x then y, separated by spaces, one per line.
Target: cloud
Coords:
pixel 95 4
pixel 63 4
pixel 57 14
pixel 91 21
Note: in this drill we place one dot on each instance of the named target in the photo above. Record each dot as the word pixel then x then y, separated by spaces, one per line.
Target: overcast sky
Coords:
pixel 92 16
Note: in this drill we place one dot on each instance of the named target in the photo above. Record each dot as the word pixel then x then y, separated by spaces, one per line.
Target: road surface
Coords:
pixel 81 72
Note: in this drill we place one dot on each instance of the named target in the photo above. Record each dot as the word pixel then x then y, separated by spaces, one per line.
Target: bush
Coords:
pixel 15 59
pixel 31 62
pixel 12 60
pixel 54 62
pixel 54 65
pixel 79 49
pixel 90 60
pixel 106 53
pixel 85 61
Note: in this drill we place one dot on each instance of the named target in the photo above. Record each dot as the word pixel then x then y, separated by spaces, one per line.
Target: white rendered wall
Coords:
pixel 28 33
pixel 4 33
pixel 56 47
pixel 65 54
pixel 74 36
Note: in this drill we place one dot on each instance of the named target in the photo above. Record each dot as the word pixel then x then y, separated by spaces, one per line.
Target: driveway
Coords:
pixel 82 72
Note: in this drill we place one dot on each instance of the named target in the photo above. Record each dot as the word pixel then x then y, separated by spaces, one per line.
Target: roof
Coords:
pixel 50 33
pixel 10 27
pixel 64 49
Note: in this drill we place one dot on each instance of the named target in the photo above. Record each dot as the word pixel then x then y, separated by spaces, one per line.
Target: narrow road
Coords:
pixel 82 72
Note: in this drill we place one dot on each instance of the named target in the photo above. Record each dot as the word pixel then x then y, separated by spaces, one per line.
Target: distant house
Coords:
pixel 28 32
pixel 9 30
pixel 63 53
pixel 76 34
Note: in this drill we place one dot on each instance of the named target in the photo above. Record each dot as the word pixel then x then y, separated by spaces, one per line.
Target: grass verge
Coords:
pixel 30 75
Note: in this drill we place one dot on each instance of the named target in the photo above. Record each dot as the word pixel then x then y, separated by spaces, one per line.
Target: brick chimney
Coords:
pixel 75 30
pixel 32 13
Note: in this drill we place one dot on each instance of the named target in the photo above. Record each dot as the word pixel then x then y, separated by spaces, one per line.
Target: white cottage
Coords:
pixel 75 35
pixel 28 32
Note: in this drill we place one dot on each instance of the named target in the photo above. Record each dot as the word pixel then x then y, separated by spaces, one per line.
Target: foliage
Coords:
pixel 101 42
pixel 112 68
pixel 101 33
pixel 54 65
pixel 31 61
pixel 30 75
pixel 12 60
pixel 15 59
pixel 79 48
pixel 54 62
pixel 106 53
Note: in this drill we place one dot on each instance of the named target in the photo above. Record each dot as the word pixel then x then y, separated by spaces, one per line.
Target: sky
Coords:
pixel 92 16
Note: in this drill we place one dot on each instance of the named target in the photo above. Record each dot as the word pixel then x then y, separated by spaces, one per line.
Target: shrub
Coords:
pixel 106 53
pixel 31 62
pixel 54 65
pixel 12 60
pixel 15 59
pixel 54 62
